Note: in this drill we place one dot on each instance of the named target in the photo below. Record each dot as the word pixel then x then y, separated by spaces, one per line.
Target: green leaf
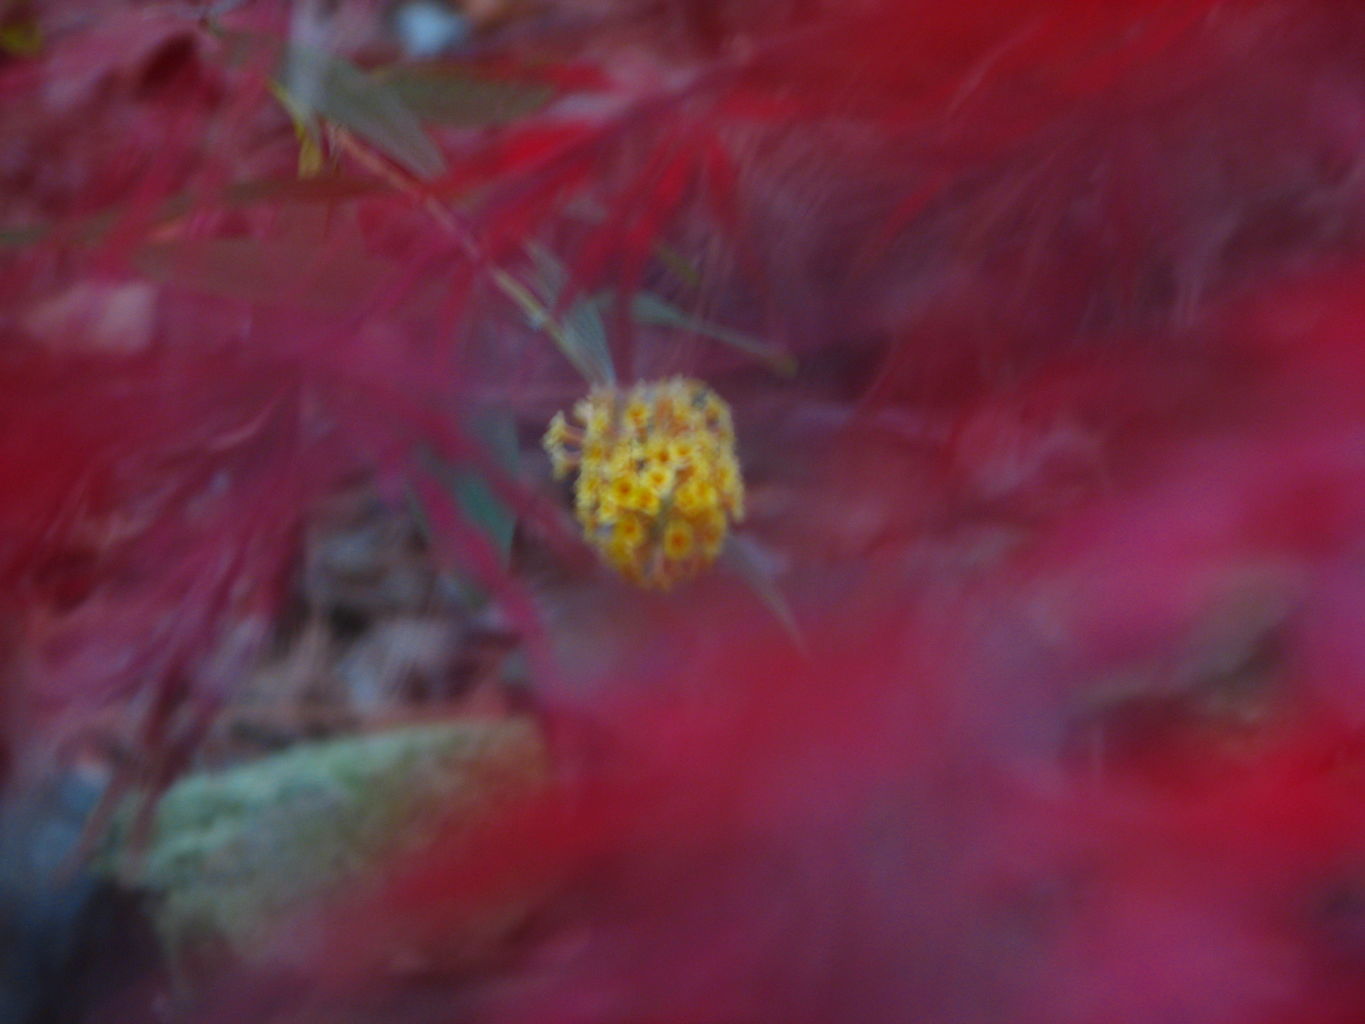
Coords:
pixel 452 96
pixel 366 105
pixel 498 432
pixel 322 189
pixel 650 309
pixel 580 334
pixel 261 271
pixel 747 559
pixel 678 265
pixel 311 158
pixel 22 37
pixel 586 334
pixel 17 238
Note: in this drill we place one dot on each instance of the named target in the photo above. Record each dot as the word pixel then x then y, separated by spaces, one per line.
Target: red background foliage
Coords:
pixel 1067 494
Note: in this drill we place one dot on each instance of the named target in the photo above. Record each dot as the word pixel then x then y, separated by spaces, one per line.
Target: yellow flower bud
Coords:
pixel 658 480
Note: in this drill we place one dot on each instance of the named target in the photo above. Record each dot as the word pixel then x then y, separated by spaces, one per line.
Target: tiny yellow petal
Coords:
pixel 558 431
pixel 658 479
pixel 637 414
pixel 561 462
pixel 630 530
pixel 646 501
pixel 678 540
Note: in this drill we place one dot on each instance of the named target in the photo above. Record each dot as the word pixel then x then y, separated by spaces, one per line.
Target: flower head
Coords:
pixel 658 479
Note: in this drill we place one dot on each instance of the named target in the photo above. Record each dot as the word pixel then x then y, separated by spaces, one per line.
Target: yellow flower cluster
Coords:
pixel 658 480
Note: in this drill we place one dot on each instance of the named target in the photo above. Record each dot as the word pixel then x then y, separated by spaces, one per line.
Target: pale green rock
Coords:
pixel 236 854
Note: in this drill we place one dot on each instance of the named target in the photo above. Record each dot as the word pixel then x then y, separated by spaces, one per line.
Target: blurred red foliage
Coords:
pixel 1067 495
